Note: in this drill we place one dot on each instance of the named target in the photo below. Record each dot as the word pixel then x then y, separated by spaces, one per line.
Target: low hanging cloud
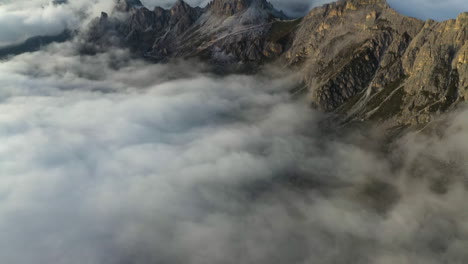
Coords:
pixel 110 160
pixel 20 20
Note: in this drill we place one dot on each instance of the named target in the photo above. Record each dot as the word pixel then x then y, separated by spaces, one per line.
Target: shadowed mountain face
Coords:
pixel 359 58
pixel 222 32
pixel 231 7
pixel 33 44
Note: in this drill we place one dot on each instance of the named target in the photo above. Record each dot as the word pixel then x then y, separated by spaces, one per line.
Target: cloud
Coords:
pixel 23 19
pixel 109 160
pixel 20 23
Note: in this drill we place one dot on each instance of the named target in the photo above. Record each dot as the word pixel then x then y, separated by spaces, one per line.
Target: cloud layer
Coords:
pixel 23 19
pixel 108 160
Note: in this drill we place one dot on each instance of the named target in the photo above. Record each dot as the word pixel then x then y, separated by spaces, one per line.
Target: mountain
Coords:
pixel 225 31
pixel 360 59
pixel 364 59
pixel 34 44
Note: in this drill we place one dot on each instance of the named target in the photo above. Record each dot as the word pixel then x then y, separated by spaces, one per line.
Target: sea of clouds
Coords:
pixel 107 159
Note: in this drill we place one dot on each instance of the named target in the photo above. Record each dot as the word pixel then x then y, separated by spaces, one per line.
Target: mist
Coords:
pixel 23 19
pixel 107 159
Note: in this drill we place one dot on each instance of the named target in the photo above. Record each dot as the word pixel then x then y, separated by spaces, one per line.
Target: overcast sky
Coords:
pixel 430 9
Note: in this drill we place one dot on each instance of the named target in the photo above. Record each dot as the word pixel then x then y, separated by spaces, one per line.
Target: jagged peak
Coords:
pixel 381 3
pixel 463 17
pixel 182 9
pixel 159 11
pixel 231 7
pixel 350 5
pixel 180 5
pixel 357 4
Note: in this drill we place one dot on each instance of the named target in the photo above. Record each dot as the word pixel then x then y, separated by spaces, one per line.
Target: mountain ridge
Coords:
pixel 359 59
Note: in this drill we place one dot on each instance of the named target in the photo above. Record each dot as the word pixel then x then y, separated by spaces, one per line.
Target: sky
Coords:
pixel 107 159
pixel 430 9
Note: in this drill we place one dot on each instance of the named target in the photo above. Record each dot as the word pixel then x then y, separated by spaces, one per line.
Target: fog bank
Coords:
pixel 110 160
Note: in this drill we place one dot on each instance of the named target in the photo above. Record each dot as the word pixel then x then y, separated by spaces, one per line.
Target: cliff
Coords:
pixel 358 58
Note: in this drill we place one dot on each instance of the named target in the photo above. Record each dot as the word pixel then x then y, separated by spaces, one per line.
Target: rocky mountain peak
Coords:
pixel 381 3
pixel 357 57
pixel 463 17
pixel 182 16
pixel 359 4
pixel 231 7
pixel 180 7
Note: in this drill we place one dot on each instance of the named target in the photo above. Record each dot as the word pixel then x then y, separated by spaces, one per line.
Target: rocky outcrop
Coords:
pixel 229 7
pixel 225 32
pixel 232 7
pixel 359 58
pixel 363 59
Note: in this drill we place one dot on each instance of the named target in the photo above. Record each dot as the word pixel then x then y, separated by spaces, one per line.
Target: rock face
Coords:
pixel 362 58
pixel 359 58
pixel 229 7
pixel 223 32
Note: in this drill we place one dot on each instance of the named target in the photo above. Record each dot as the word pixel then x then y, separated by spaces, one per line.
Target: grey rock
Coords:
pixel 224 32
pixel 364 60
pixel 358 58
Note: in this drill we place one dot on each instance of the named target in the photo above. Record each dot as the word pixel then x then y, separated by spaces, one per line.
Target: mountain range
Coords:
pixel 360 59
